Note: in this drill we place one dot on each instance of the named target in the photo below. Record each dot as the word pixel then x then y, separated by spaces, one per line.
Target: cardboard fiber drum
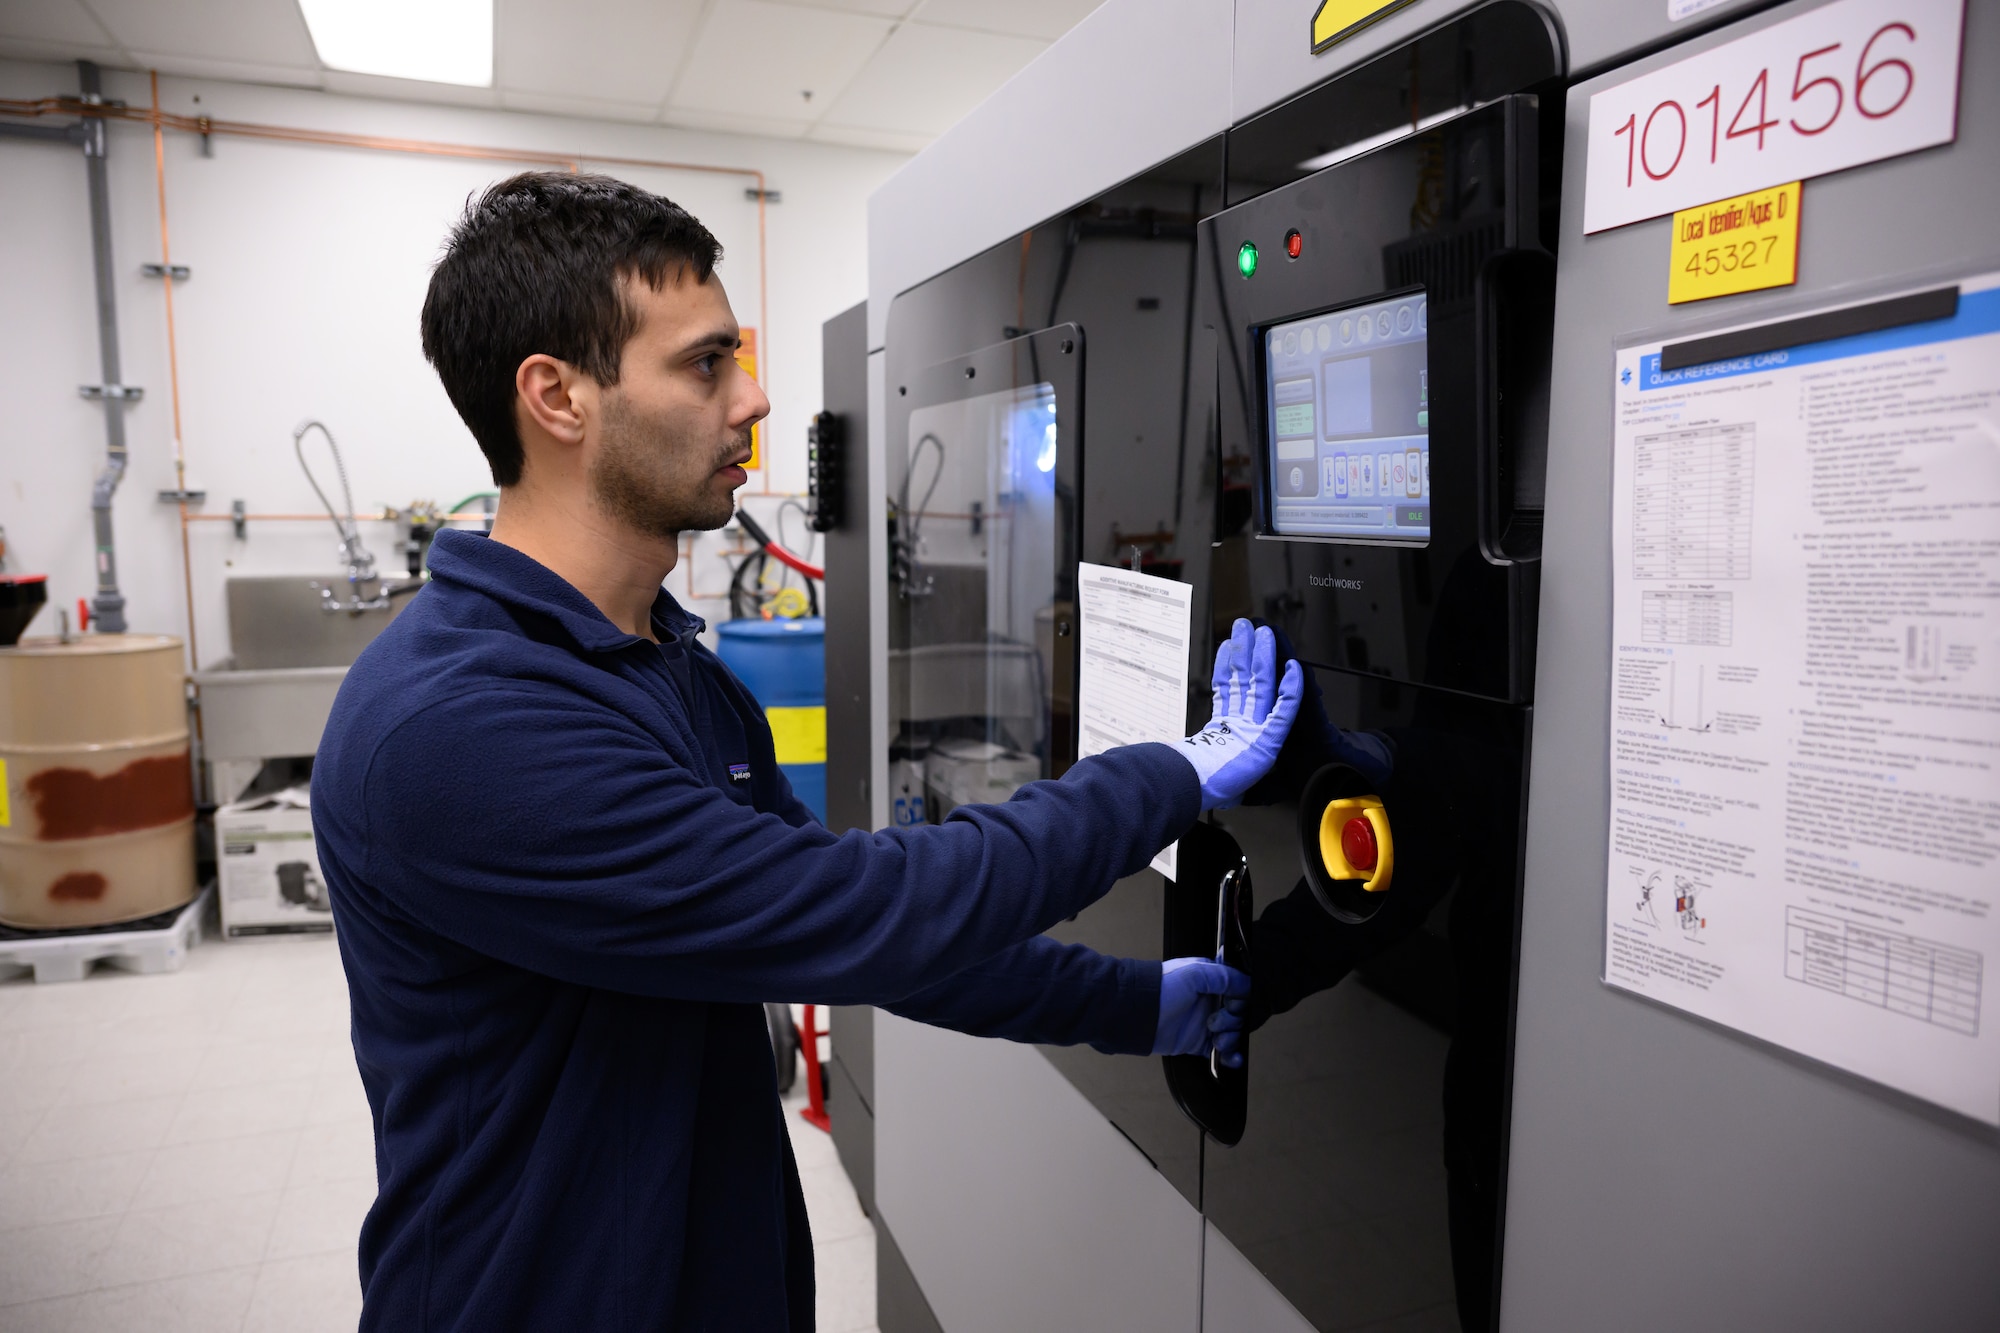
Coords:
pixel 96 790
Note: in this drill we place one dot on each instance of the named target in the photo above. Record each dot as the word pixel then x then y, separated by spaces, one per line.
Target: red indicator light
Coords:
pixel 1294 244
pixel 1357 844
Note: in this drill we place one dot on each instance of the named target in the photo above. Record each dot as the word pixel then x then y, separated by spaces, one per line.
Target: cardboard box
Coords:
pixel 268 868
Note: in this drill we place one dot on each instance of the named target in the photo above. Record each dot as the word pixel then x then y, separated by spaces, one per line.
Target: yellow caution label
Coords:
pixel 746 357
pixel 1337 20
pixel 799 734
pixel 6 811
pixel 1735 245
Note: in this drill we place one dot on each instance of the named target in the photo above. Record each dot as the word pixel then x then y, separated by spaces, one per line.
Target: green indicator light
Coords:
pixel 1246 259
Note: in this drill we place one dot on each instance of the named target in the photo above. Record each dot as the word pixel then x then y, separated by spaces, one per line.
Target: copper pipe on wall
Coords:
pixel 687 564
pixel 321 518
pixel 686 558
pixel 242 129
pixel 174 380
pixel 161 121
pixel 468 516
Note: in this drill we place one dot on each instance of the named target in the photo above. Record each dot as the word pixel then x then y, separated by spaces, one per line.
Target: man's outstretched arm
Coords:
pixel 1056 994
pixel 578 847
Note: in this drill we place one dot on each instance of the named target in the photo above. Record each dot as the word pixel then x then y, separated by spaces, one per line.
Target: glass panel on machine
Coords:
pixel 979 514
pixel 1347 422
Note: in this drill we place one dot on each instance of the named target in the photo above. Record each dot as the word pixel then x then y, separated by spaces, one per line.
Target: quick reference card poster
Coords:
pixel 1805 704
pixel 1132 677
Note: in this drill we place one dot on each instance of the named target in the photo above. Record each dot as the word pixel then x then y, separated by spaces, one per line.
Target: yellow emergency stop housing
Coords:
pixel 1335 842
pixel 1345 844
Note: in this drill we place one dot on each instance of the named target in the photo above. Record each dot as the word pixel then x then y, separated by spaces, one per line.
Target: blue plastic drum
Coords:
pixel 783 662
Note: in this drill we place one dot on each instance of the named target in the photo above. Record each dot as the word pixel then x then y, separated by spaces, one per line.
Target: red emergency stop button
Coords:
pixel 1350 850
pixel 1357 844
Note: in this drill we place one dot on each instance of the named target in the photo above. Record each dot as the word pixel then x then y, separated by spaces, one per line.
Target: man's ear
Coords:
pixel 554 397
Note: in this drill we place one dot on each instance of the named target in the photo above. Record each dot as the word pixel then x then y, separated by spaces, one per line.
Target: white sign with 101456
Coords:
pixel 1851 82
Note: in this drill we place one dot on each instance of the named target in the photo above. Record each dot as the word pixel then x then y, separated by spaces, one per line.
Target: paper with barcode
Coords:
pixel 1133 666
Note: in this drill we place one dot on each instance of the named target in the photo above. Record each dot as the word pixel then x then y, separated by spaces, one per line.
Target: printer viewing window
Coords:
pixel 1347 422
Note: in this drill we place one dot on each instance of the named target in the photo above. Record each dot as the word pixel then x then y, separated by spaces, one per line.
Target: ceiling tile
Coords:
pixel 847 136
pixel 616 50
pixel 731 122
pixel 762 58
pixel 1047 19
pixel 888 9
pixel 61 53
pixel 239 71
pixel 261 32
pixel 924 79
pixel 586 108
pixel 51 21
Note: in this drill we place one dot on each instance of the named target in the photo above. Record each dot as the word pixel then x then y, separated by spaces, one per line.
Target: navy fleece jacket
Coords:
pixel 559 907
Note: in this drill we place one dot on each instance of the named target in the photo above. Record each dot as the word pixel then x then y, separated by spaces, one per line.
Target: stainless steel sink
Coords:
pixel 270 699
pixel 277 622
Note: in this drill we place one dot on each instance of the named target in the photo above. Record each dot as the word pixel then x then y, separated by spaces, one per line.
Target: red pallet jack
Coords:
pixel 814 1111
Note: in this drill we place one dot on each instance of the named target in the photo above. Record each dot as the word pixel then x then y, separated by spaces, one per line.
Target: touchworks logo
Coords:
pixel 1329 581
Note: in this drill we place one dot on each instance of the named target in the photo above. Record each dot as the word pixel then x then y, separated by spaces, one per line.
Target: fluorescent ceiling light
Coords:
pixel 436 41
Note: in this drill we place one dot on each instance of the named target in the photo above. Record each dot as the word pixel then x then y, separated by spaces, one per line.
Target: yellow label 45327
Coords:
pixel 1736 245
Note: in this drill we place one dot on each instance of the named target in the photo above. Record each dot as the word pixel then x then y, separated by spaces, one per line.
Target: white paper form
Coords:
pixel 1805 710
pixel 1133 679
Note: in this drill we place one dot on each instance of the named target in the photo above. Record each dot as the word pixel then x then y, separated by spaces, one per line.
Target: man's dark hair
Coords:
pixel 535 266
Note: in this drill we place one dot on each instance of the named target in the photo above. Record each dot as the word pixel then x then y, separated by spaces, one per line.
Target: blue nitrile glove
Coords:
pixel 1192 994
pixel 1253 711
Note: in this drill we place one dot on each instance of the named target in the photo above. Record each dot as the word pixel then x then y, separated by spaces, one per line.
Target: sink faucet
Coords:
pixel 358 575
pixel 360 562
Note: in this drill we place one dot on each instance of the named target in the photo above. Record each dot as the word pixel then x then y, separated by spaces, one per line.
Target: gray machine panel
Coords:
pixel 1015 1201
pixel 1666 1174
pixel 900 1306
pixel 844 393
pixel 1274 59
pixel 1236 1297
pixel 850 1119
pixel 850 742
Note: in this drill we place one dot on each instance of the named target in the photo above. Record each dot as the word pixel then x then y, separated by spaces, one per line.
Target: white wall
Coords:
pixel 309 268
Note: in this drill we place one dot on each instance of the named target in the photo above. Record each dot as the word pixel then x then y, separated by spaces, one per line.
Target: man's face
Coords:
pixel 674 431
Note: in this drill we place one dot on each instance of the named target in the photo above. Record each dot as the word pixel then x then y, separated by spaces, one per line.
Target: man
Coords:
pixel 558 912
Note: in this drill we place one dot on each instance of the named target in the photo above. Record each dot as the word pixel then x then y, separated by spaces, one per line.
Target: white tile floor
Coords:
pixel 193 1151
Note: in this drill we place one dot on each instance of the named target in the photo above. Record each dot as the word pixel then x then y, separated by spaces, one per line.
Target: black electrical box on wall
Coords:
pixel 826 454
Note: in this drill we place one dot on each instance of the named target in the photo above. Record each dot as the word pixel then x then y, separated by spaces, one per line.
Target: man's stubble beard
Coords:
pixel 656 479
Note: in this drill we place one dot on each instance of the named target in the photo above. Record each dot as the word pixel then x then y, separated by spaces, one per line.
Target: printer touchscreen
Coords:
pixel 1347 422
